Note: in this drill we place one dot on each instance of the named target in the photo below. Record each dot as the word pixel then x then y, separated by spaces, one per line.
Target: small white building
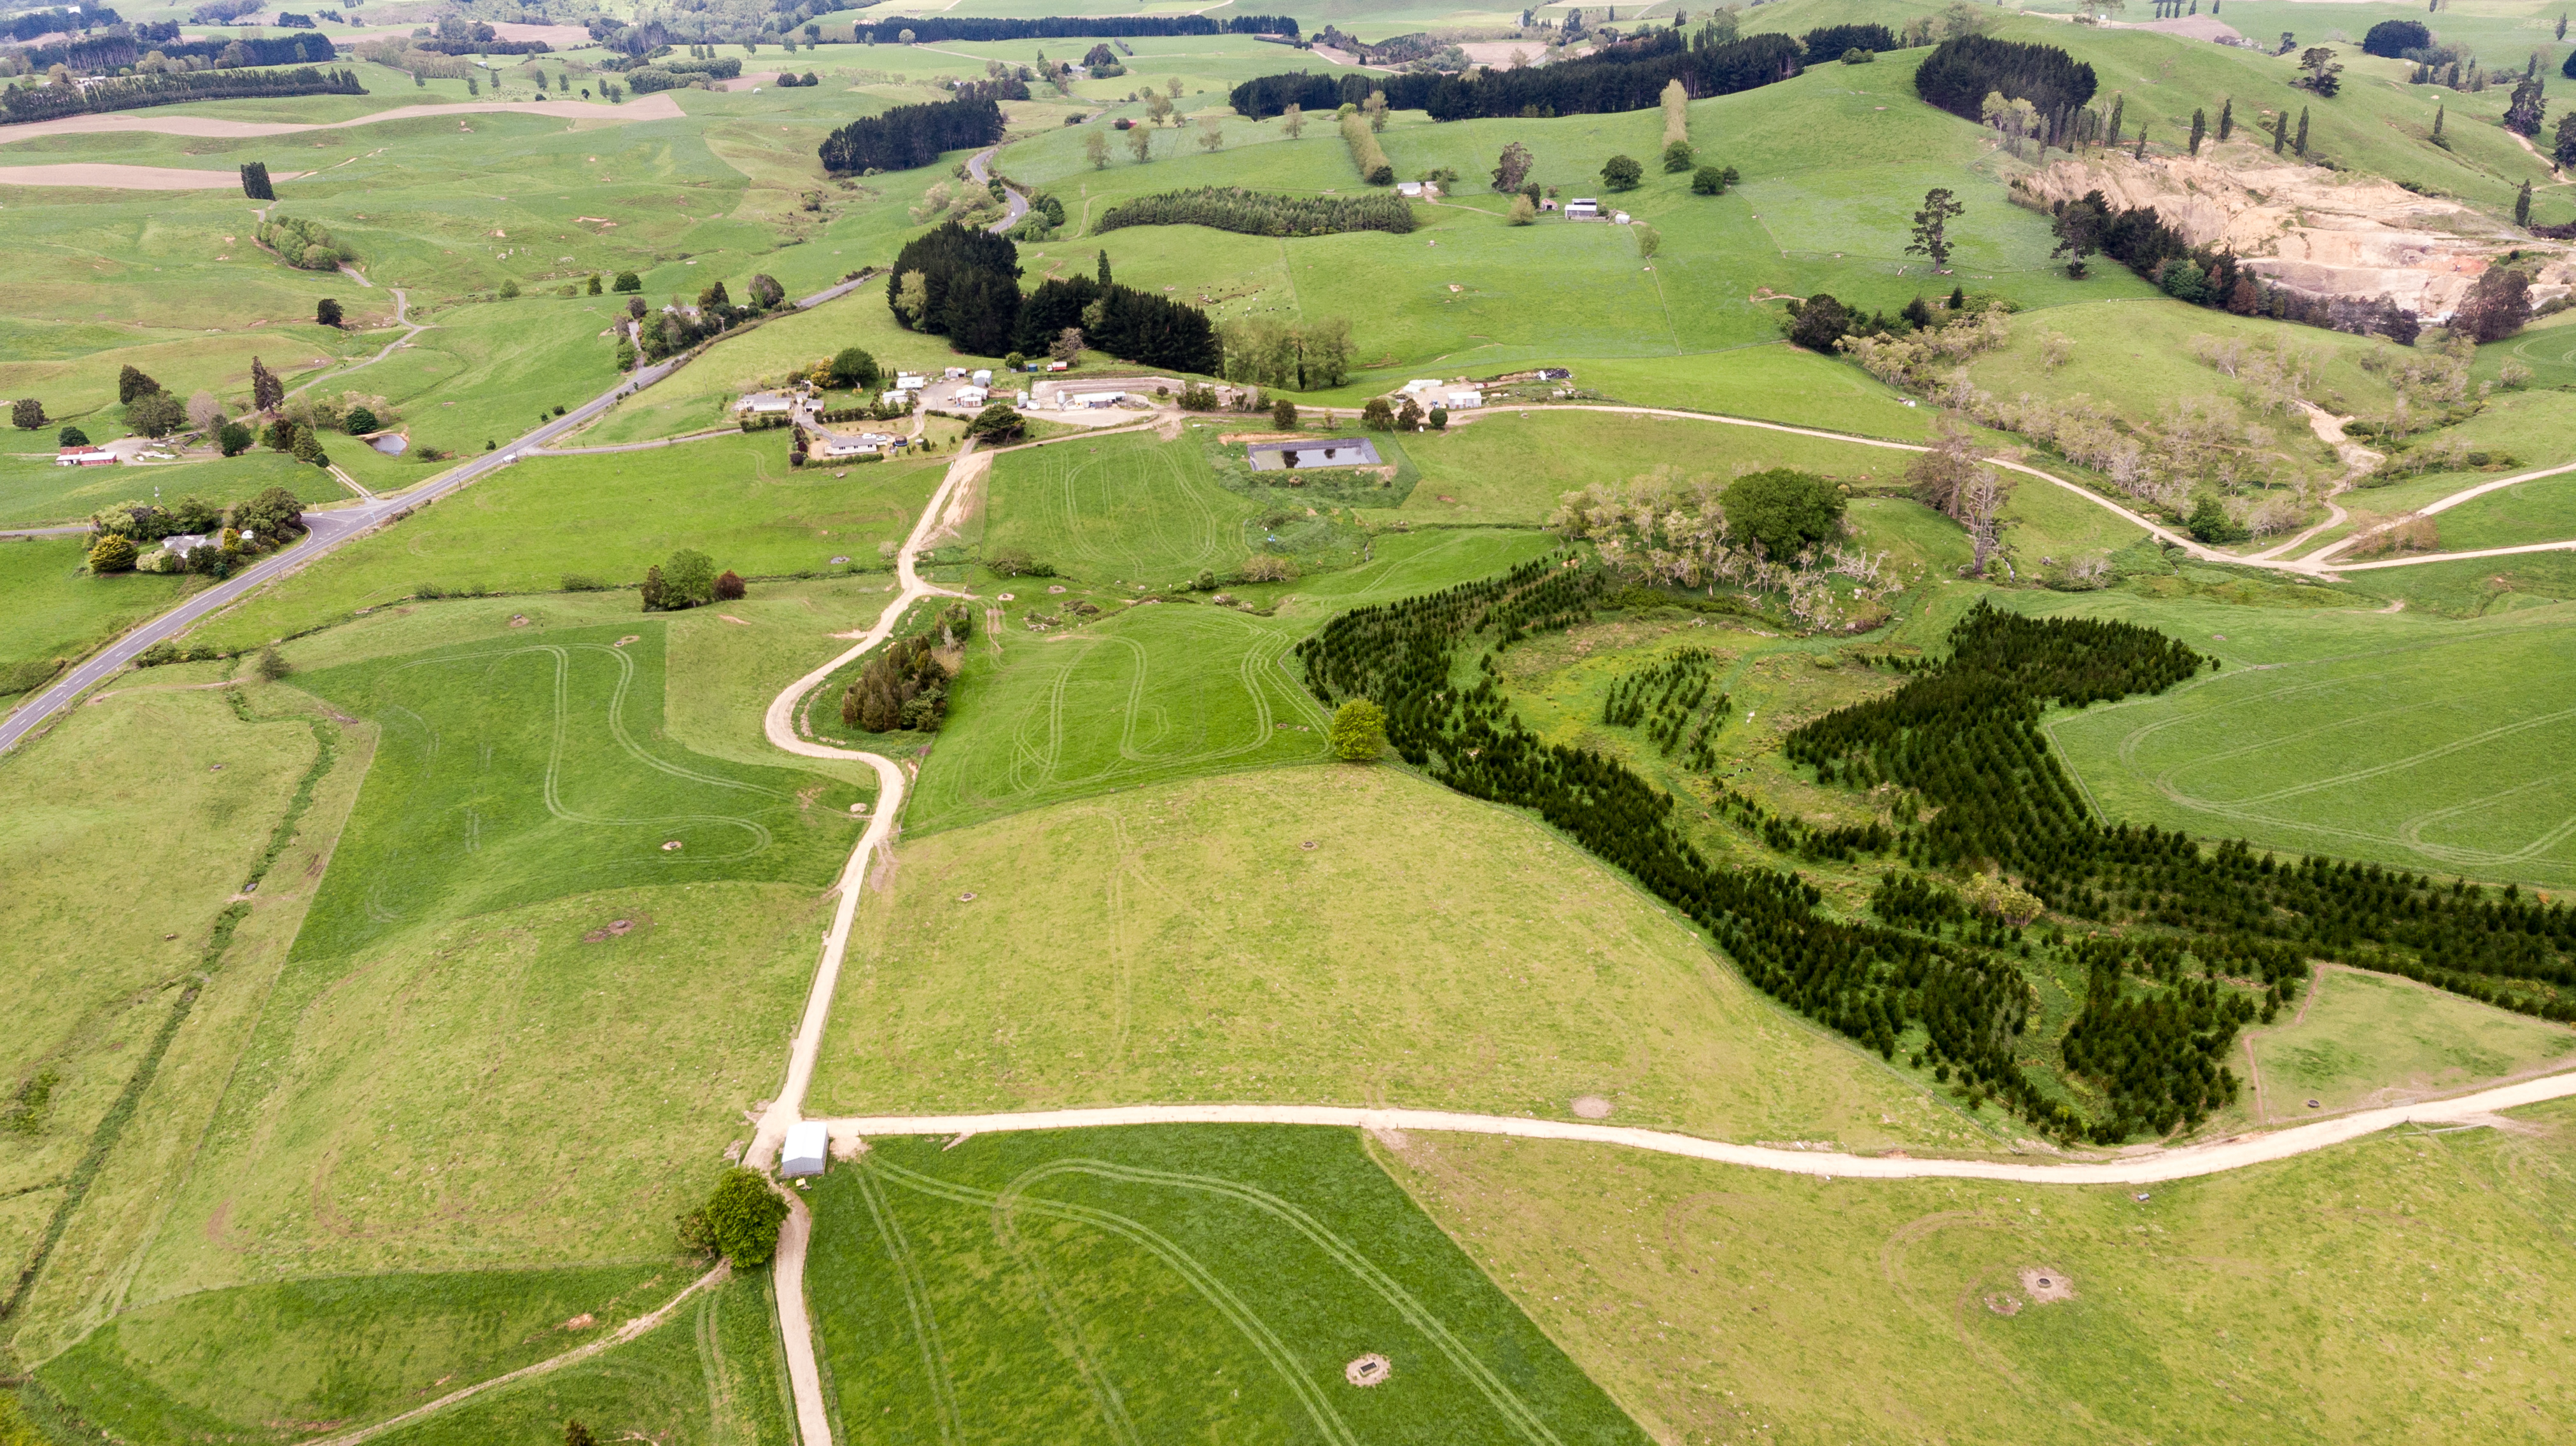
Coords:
pixel 1461 401
pixel 1094 399
pixel 186 542
pixel 1410 190
pixel 899 397
pixel 971 396
pixel 1583 208
pixel 956 374
pixel 983 377
pixel 84 457
pixel 911 381
pixel 809 1149
pixel 765 404
pixel 1420 387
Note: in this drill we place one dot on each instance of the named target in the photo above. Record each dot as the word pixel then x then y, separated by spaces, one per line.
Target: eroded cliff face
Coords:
pixel 2325 233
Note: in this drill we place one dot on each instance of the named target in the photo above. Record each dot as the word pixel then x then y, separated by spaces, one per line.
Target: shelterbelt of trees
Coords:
pixel 1627 75
pixel 1963 738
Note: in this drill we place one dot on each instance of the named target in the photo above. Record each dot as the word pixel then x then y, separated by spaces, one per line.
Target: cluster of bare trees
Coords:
pixel 1670 529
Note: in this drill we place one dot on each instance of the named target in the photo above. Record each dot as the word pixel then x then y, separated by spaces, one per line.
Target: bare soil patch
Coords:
pixel 2045 1286
pixel 1368 1370
pixel 1591 1107
pixel 613 929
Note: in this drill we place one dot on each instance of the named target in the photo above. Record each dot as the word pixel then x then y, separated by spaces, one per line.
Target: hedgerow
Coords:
pixel 1232 208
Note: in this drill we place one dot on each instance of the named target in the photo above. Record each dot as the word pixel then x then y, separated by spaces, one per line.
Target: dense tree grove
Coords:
pixel 933 29
pixel 1831 42
pixel 1960 73
pixel 107 54
pixel 1962 738
pixel 906 686
pixel 968 287
pixel 1627 75
pixel 1254 213
pixel 135 92
pixel 911 135
pixel 963 283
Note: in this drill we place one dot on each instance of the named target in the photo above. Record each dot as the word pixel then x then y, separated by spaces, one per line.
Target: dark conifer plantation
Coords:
pixel 911 135
pixel 2207 938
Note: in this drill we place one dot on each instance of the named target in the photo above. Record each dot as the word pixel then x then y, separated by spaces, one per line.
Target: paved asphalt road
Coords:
pixel 978 165
pixel 329 530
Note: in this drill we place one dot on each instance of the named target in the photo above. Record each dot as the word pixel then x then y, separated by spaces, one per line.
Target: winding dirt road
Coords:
pixel 2140 1169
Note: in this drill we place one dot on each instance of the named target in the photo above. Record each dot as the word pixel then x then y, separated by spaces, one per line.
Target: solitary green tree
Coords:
pixel 1620 173
pixel 114 553
pixel 1359 731
pixel 688 579
pixel 2226 117
pixel 27 414
pixel 739 1221
pixel 2199 130
pixel 1932 226
pixel 1785 511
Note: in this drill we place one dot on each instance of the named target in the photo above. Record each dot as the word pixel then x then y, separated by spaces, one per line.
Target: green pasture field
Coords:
pixel 2407 739
pixel 156 794
pixel 1427 950
pixel 1186 1282
pixel 2473 587
pixel 2547 346
pixel 516 770
pixel 1505 466
pixel 1153 692
pixel 605 516
pixel 2538 511
pixel 711 1376
pixel 2047 526
pixel 468 1062
pixel 2354 1294
pixel 52 609
pixel 1822 158
pixel 256 1362
pixel 2135 356
pixel 36 493
pixel 2366 1039
pixel 1122 509
pixel 487 373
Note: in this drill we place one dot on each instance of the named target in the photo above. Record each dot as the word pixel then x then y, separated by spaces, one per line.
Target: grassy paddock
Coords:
pixel 255 1362
pixel 607 517
pixel 1181 942
pixel 52 609
pixel 2411 740
pixel 1509 467
pixel 161 795
pixel 34 492
pixel 2347 1295
pixel 1163 1284
pixel 1151 692
pixel 1123 508
pixel 2366 1039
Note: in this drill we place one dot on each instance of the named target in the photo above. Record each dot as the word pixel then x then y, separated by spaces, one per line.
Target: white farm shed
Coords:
pixel 809 1145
